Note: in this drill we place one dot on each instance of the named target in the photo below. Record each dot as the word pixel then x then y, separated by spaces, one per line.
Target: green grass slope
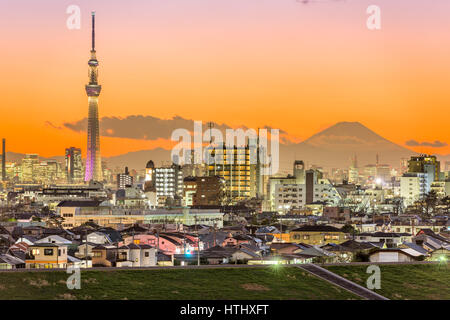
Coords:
pixel 170 284
pixel 418 282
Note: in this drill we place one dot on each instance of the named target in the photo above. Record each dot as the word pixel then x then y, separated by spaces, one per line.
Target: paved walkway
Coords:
pixel 341 282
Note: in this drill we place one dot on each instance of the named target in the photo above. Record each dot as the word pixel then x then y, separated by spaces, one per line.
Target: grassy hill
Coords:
pixel 268 283
pixel 419 282
pixel 196 284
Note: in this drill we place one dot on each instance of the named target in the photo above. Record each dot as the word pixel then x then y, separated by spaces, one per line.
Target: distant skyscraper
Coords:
pixel 93 158
pixel 74 165
pixel 3 160
pixel 124 179
pixel 29 167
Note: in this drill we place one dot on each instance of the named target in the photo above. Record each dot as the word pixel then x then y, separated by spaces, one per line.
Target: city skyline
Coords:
pixel 242 151
pixel 277 65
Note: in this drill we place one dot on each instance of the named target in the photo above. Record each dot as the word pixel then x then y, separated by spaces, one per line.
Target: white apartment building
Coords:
pixel 294 196
pixel 442 188
pixel 414 186
pixel 168 182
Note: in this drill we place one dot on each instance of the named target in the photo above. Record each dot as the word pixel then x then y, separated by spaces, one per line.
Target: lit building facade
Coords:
pixel 414 186
pixel 124 179
pixel 74 165
pixel 297 196
pixel 242 178
pixel 203 191
pixel 425 163
pixel 168 183
pixel 76 213
pixel 29 167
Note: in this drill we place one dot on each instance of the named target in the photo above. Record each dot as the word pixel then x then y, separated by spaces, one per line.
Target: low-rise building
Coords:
pixel 8 261
pixel 394 255
pixel 203 191
pixel 134 255
pixel 46 255
pixel 104 256
pixel 76 213
pixel 389 239
pixel 317 235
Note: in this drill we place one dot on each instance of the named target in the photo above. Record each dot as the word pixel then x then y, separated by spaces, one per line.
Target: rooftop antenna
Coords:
pixel 210 126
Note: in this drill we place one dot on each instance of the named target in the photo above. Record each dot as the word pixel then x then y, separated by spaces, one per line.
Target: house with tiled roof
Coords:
pixel 395 255
pixel 8 261
pixel 135 255
pixel 317 235
pixel 46 255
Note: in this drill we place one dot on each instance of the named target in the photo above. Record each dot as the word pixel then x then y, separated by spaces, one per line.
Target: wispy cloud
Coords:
pixel 49 124
pixel 435 144
pixel 145 127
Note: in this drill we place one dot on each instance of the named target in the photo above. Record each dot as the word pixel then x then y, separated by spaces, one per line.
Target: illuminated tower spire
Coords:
pixel 93 158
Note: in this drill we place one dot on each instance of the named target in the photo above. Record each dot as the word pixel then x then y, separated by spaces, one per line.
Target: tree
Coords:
pixel 348 228
pixel 445 202
pixel 398 205
pixel 55 221
pixel 430 201
pixel 45 211
pixel 361 256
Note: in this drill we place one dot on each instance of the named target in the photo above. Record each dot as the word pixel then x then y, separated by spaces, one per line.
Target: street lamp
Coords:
pixel 286 207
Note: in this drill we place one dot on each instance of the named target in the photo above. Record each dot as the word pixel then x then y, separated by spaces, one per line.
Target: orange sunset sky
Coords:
pixel 284 64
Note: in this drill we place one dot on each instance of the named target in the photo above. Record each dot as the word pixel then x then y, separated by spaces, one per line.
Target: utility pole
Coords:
pixel 212 150
pixel 281 228
pixel 198 242
pixel 86 249
pixel 214 235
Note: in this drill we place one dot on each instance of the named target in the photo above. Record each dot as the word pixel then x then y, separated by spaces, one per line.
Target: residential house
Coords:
pixel 387 239
pixel 54 239
pixel 99 238
pixel 394 255
pixel 85 249
pixel 104 256
pixel 317 235
pixel 277 248
pixel 10 262
pixel 134 255
pixel 237 239
pixel 46 255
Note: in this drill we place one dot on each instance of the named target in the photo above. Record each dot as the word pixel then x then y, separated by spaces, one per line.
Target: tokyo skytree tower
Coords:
pixel 93 158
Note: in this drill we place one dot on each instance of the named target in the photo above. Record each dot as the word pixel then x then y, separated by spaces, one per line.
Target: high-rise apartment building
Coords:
pixel 73 165
pixel 414 186
pixel 168 183
pixel 124 179
pixel 314 189
pixel 425 163
pixel 241 176
pixel 298 177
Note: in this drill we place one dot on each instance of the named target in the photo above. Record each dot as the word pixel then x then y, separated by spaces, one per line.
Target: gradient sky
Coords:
pixel 297 67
